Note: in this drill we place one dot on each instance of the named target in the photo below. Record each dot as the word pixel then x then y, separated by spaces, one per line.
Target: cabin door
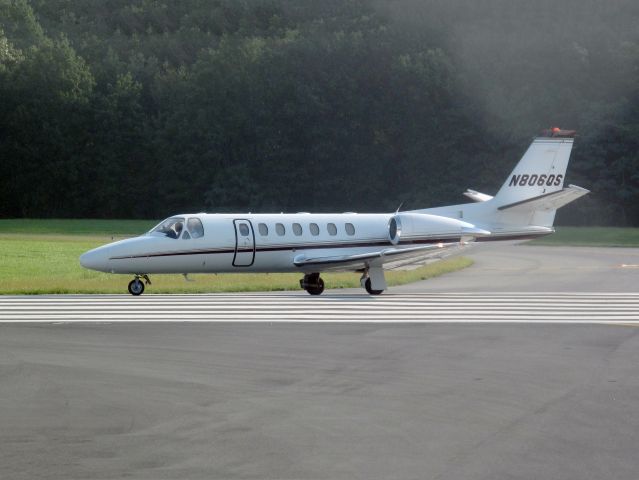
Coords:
pixel 244 243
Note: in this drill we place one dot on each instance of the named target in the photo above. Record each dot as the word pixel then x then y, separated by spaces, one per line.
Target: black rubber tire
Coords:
pixel 367 285
pixel 317 290
pixel 136 287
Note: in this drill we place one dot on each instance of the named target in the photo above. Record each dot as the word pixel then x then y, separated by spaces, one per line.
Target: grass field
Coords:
pixel 41 256
pixel 592 237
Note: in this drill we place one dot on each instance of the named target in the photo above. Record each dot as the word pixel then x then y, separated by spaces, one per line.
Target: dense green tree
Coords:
pixel 143 108
pixel 46 90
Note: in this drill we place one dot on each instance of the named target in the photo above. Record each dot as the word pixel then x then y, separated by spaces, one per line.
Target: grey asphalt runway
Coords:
pixel 87 394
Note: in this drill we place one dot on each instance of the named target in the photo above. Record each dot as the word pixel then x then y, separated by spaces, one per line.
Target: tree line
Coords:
pixel 145 108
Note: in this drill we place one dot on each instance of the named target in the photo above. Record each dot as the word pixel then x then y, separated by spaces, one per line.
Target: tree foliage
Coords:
pixel 143 108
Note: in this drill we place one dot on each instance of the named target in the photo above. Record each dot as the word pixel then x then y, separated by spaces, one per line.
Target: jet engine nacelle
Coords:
pixel 403 227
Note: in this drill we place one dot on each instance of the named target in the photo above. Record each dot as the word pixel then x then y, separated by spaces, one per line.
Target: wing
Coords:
pixel 389 258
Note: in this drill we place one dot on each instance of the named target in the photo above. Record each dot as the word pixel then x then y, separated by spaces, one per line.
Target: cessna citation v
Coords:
pixel 523 208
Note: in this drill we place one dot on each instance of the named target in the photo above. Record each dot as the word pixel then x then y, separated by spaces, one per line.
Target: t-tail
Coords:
pixel 526 204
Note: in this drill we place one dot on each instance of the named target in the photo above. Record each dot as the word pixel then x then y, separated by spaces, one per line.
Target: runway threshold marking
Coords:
pixel 573 308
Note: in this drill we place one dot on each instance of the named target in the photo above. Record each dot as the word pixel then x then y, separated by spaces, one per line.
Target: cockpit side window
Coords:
pixel 171 227
pixel 195 227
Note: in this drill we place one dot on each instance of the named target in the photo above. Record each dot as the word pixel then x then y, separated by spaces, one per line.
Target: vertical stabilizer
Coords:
pixel 540 171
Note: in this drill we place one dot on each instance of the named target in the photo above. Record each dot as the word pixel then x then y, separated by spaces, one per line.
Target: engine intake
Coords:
pixel 394 229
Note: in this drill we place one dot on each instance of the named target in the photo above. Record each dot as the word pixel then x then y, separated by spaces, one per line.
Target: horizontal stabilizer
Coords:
pixel 477 196
pixel 548 201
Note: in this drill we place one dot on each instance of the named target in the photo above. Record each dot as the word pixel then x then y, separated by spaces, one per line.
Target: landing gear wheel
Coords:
pixel 368 288
pixel 312 283
pixel 136 287
pixel 317 289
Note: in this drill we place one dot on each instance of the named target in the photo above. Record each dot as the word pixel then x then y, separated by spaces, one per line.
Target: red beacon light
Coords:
pixel 556 132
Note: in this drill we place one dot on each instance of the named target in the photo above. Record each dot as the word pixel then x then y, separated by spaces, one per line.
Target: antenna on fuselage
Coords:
pixel 400 206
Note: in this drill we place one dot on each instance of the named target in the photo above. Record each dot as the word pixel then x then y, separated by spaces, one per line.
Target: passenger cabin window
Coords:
pixel 350 229
pixel 263 228
pixel 195 227
pixel 297 229
pixel 244 230
pixel 332 229
pixel 171 227
pixel 279 228
pixel 314 229
pixel 186 236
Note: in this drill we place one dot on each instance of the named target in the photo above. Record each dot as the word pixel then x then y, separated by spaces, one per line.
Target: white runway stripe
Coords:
pixel 584 308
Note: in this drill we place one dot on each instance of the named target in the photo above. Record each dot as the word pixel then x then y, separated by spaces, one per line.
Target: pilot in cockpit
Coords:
pixel 175 230
pixel 171 228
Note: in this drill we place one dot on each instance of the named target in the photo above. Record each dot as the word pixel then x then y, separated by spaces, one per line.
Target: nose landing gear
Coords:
pixel 312 283
pixel 136 286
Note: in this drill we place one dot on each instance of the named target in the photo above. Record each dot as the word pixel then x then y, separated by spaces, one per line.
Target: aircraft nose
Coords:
pixel 94 260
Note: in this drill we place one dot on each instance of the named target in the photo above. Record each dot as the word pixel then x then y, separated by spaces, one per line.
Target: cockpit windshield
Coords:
pixel 171 227
pixel 194 225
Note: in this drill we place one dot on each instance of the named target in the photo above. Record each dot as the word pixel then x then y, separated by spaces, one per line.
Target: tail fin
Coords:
pixel 535 189
pixel 540 171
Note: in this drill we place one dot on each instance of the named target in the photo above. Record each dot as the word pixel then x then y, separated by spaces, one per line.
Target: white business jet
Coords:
pixel 308 243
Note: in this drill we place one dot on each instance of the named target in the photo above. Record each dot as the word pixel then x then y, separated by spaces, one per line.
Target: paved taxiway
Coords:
pixel 507 267
pixel 98 398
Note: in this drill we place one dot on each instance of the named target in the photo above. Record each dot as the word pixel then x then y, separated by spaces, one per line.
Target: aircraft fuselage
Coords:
pixel 268 242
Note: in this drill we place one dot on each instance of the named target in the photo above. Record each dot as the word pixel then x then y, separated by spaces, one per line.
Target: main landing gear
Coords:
pixel 373 281
pixel 367 286
pixel 312 283
pixel 136 286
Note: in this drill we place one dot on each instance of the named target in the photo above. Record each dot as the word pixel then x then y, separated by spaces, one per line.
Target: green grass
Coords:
pixel 41 257
pixel 591 237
